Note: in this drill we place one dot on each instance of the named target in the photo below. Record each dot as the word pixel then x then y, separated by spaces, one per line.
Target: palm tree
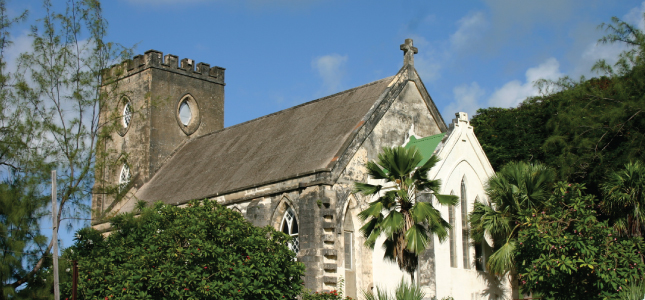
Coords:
pixel 624 201
pixel 398 213
pixel 518 186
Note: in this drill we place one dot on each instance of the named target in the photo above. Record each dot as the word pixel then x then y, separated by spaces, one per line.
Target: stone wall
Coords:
pixel 154 87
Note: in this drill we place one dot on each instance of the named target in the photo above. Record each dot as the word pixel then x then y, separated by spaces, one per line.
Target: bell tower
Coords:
pixel 154 104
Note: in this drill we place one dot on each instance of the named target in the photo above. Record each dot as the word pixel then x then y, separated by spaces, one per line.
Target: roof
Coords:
pixel 285 144
pixel 426 145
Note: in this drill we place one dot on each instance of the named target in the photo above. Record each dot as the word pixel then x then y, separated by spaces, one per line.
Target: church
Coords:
pixel 294 169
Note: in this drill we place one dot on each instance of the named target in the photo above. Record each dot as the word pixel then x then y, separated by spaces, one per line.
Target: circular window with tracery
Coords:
pixel 290 227
pixel 188 117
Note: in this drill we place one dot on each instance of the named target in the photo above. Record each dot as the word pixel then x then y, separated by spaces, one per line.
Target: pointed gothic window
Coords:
pixel 451 236
pixel 184 113
pixel 464 226
pixel 348 241
pixel 127 114
pixel 479 251
pixel 124 177
pixel 290 227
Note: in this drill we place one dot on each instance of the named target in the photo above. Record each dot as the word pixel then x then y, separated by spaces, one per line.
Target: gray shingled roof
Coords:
pixel 294 141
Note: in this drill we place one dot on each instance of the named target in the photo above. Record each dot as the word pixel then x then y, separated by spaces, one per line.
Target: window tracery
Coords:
pixel 290 226
pixel 124 177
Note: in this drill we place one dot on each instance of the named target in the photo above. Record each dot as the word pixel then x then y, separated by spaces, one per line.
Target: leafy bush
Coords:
pixel 633 292
pixel 331 295
pixel 566 252
pixel 204 251
pixel 404 291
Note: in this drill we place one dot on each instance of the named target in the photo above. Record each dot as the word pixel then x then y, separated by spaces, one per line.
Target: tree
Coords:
pixel 203 251
pixel 624 200
pixel 517 187
pixel 50 112
pixel 398 213
pixel 566 252
pixel 593 126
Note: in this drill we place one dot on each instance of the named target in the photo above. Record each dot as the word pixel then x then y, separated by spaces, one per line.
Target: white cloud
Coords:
pixel 595 51
pixel 20 44
pixel 514 92
pixel 331 69
pixel 635 16
pixel 466 99
pixel 470 29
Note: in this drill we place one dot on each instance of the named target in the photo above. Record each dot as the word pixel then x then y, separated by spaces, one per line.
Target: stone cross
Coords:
pixel 408 52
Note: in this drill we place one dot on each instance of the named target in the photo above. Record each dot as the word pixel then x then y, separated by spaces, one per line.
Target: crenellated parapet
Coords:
pixel 156 59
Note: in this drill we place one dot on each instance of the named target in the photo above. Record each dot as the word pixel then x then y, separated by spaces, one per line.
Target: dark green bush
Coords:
pixel 204 251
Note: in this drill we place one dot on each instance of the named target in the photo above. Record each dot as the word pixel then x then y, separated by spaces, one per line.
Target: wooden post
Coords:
pixel 74 279
pixel 55 236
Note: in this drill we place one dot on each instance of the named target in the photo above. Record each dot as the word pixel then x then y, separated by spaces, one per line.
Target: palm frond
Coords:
pixel 503 259
pixel 375 171
pixel 447 199
pixel 371 231
pixel 373 211
pixel 366 189
pixel 393 223
pixel 405 291
pixel 417 238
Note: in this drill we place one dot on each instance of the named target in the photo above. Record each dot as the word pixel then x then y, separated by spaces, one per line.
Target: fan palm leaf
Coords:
pixel 406 223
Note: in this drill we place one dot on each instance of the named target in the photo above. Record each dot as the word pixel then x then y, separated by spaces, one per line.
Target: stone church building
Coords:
pixel 294 169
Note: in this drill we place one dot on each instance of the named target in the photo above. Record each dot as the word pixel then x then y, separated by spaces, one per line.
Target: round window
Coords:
pixel 185 115
pixel 127 115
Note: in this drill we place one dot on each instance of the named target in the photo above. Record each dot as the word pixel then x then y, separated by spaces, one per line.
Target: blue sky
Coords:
pixel 280 53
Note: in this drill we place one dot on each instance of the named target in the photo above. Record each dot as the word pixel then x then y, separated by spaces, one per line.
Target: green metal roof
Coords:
pixel 426 145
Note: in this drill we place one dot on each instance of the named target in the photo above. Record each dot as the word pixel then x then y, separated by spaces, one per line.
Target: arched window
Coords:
pixel 290 226
pixel 479 251
pixel 451 236
pixel 127 114
pixel 464 226
pixel 124 177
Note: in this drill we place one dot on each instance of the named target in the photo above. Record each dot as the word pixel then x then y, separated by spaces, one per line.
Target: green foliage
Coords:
pixel 406 221
pixel 203 251
pixel 624 201
pixel 514 189
pixel 331 295
pixel 635 291
pixel 565 252
pixel 403 291
pixel 49 120
pixel 514 134
pixel 592 126
pixel 20 239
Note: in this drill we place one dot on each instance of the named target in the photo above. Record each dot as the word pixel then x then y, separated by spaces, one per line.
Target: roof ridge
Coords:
pixel 427 137
pixel 290 108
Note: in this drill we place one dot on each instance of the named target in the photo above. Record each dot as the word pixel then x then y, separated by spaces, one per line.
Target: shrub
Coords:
pixel 404 291
pixel 204 251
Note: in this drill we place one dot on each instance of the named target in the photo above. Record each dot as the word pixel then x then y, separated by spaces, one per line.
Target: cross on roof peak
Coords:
pixel 408 52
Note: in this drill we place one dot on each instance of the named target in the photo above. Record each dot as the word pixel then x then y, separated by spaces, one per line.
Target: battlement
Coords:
pixel 169 62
